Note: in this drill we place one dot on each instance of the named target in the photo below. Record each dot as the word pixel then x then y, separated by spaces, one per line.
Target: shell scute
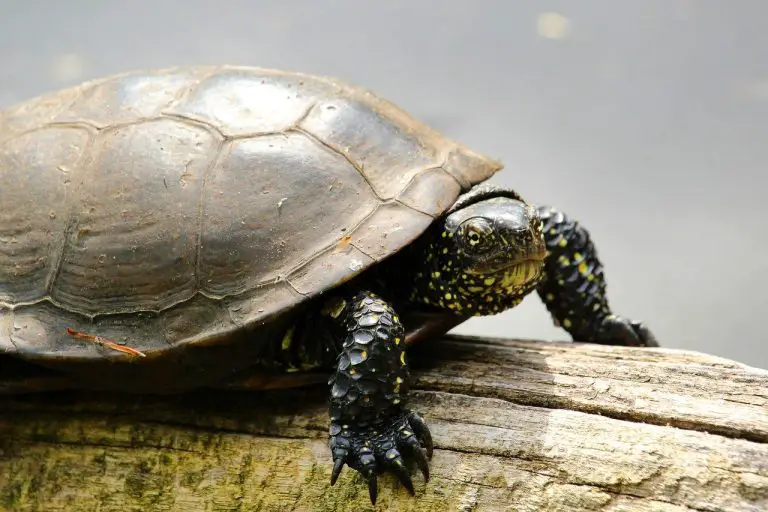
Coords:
pixel 133 240
pixel 39 172
pixel 272 203
pixel 132 98
pixel 387 153
pixel 243 102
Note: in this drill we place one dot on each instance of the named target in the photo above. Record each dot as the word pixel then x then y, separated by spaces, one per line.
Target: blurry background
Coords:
pixel 648 121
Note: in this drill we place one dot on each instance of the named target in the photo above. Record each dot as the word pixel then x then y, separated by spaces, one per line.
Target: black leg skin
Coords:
pixel 574 289
pixel 371 427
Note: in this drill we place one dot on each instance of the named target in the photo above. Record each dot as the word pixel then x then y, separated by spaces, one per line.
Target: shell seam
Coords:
pixel 418 174
pixel 330 246
pixel 201 209
pixel 53 274
pixel 50 300
pixel 200 123
pixel 77 125
pixel 185 92
pixel 398 201
pixel 72 222
pixel 335 151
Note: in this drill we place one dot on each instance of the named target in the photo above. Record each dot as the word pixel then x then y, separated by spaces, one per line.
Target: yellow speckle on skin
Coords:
pixel 450 235
pixel 445 251
pixel 563 242
pixel 445 234
pixel 395 318
pixel 288 339
pixel 402 358
pixel 435 274
pixel 489 281
pixel 334 308
pixel 583 269
pixel 566 323
pixel 398 381
pixel 549 296
pixel 397 341
pixel 577 256
pixel 448 296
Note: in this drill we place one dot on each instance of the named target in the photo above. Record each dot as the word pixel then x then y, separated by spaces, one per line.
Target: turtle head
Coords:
pixel 485 255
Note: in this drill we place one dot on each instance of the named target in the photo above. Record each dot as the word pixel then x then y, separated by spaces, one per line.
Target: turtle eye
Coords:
pixel 477 235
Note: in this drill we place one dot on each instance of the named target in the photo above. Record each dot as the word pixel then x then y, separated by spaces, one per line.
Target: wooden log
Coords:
pixel 517 425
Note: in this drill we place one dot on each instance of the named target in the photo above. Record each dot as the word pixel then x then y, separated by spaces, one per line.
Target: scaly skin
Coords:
pixel 370 424
pixel 483 257
pixel 574 288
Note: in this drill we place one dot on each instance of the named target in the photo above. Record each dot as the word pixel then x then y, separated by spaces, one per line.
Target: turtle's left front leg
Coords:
pixel 574 287
pixel 371 427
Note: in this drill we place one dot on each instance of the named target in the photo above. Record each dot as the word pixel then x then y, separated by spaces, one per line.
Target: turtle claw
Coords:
pixel 338 465
pixel 373 488
pixel 617 330
pixel 375 450
pixel 420 454
pixel 400 471
pixel 422 431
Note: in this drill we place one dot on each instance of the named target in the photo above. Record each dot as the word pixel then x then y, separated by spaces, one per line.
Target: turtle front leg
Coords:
pixel 371 427
pixel 574 287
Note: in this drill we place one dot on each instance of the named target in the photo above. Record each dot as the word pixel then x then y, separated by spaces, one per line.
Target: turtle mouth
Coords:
pixel 522 269
pixel 520 273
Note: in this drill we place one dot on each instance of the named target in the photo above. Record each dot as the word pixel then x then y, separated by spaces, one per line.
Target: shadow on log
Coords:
pixel 523 426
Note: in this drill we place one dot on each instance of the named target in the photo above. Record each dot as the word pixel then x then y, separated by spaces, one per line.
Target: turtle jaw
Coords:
pixel 509 279
pixel 510 260
pixel 515 278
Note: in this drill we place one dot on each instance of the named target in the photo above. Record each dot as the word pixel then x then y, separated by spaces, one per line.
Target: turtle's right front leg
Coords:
pixel 371 428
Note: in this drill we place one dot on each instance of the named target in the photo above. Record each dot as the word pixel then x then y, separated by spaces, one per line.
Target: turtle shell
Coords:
pixel 168 208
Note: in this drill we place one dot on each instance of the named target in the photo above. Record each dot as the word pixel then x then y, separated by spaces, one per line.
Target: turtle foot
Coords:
pixel 617 330
pixel 375 450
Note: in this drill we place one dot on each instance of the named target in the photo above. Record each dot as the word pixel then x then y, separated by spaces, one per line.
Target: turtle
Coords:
pixel 168 229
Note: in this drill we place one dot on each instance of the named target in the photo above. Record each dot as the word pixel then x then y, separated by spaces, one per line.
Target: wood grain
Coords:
pixel 518 425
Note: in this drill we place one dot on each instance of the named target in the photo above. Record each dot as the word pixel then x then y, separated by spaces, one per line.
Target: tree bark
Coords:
pixel 517 425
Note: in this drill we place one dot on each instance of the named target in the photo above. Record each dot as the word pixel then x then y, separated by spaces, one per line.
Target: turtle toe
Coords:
pixel 618 330
pixel 383 448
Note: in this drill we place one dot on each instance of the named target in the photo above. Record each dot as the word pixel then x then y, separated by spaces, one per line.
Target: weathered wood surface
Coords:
pixel 521 426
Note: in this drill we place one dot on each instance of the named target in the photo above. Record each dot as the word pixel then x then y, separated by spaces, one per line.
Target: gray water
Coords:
pixel 647 121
